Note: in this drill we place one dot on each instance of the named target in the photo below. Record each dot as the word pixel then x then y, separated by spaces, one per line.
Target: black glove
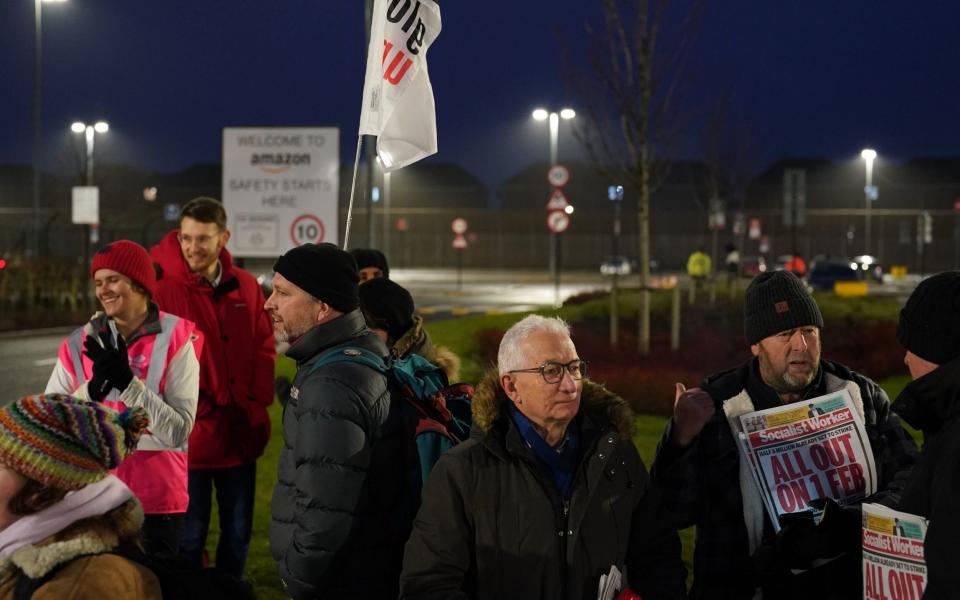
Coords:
pixel 800 541
pixel 97 387
pixel 112 366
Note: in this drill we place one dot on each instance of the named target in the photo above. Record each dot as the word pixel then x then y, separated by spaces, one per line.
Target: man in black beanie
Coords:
pixel 371 264
pixel 930 331
pixel 698 466
pixel 338 526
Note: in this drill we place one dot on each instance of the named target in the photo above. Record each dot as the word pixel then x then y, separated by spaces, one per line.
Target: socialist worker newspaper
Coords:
pixel 893 564
pixel 808 450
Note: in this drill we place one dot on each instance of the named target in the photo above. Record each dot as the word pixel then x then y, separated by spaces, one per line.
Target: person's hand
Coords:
pixel 111 366
pixel 800 541
pixel 97 387
pixel 692 409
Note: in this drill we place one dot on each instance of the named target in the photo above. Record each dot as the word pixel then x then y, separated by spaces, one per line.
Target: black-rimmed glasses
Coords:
pixel 552 371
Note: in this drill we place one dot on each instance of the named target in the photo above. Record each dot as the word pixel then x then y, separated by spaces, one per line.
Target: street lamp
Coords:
pixel 541 114
pixel 553 118
pixel 37 121
pixel 869 193
pixel 92 234
pixel 90 131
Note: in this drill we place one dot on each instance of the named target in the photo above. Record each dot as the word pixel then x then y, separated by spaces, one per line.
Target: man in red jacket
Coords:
pixel 199 282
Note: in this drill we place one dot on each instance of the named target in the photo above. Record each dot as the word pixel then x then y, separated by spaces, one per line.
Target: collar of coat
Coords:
pixel 100 323
pixel 488 405
pixel 417 341
pixel 95 535
pixel 348 327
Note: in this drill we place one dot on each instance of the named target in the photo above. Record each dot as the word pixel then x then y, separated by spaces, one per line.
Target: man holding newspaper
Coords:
pixel 772 459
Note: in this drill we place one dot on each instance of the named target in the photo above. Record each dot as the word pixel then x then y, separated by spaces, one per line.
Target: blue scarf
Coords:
pixel 561 461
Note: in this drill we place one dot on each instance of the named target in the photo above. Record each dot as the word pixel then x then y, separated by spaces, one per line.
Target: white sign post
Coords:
pixel 280 187
pixel 86 205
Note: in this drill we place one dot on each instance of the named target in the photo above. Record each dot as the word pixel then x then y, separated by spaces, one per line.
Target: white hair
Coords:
pixel 510 355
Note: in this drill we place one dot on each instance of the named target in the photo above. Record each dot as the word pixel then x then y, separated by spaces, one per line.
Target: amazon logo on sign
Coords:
pixel 278 162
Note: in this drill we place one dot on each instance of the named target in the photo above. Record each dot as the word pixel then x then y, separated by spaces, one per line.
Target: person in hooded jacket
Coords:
pixel 64 520
pixel 389 311
pixel 199 281
pixel 371 264
pixel 547 495
pixel 132 354
pixel 929 329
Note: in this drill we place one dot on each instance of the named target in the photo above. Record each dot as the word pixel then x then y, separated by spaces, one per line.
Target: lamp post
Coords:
pixel 37 121
pixel 89 132
pixel 869 193
pixel 553 119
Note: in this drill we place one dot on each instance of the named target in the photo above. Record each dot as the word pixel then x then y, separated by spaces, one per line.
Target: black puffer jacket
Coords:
pixel 492 524
pixel 338 515
pixel 932 404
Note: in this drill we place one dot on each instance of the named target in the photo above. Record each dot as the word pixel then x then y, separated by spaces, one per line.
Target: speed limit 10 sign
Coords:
pixel 307 229
pixel 558 176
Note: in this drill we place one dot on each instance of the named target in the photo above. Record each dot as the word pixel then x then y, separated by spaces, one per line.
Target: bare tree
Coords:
pixel 627 91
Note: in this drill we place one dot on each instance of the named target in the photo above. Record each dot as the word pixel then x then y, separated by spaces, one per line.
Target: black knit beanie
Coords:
pixel 930 322
pixel 777 301
pixel 323 271
pixel 388 305
pixel 369 257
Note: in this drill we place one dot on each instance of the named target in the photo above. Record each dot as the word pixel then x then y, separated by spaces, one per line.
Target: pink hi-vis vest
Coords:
pixel 156 472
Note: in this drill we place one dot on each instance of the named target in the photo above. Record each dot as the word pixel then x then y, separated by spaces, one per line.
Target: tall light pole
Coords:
pixel 869 193
pixel 553 118
pixel 89 132
pixel 37 122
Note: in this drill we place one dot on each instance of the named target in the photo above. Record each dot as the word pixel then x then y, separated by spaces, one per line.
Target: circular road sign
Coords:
pixel 459 225
pixel 558 221
pixel 307 229
pixel 558 176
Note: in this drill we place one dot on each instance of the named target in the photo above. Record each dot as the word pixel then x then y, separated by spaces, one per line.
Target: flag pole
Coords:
pixel 353 188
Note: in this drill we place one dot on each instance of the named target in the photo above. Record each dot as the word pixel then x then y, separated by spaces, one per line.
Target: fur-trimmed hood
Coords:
pixel 417 341
pixel 94 535
pixel 595 398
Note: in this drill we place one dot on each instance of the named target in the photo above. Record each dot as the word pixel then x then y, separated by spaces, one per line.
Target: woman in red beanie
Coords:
pixel 133 355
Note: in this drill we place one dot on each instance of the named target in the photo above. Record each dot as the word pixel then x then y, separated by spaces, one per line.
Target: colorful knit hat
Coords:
pixel 64 442
pixel 127 258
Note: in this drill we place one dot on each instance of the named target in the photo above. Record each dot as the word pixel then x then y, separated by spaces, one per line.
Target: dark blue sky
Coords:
pixel 815 78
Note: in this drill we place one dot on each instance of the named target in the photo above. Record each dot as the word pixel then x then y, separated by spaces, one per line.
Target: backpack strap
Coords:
pixel 350 354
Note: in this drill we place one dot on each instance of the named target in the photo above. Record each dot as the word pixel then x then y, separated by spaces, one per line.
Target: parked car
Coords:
pixel 751 266
pixel 826 272
pixel 868 266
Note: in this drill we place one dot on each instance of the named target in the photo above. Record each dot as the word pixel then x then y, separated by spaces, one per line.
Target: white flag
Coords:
pixel 398 103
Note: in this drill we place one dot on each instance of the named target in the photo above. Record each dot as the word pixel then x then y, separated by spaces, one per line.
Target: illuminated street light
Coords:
pixel 90 131
pixel 37 119
pixel 540 114
pixel 567 113
pixel 869 193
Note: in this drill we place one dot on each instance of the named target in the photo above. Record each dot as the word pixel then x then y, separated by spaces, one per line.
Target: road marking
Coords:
pixel 45 362
pixel 460 311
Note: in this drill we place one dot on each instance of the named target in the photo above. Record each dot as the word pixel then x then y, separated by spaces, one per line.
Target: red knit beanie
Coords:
pixel 127 258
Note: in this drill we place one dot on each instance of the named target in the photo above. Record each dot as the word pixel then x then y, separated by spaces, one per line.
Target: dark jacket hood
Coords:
pixel 169 258
pixel 489 398
pixel 930 401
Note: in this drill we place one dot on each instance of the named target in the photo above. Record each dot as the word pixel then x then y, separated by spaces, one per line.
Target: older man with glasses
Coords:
pixel 547 495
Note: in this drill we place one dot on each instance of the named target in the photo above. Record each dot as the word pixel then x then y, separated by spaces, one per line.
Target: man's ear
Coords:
pixel 509 387
pixel 755 349
pixel 323 311
pixel 226 236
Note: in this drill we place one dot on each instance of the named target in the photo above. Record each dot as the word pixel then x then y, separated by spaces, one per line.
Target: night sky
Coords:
pixel 819 78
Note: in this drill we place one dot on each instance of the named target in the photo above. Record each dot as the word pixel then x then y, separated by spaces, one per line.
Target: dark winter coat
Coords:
pixel 91 571
pixel 701 486
pixel 237 363
pixel 417 341
pixel 932 404
pixel 338 518
pixel 493 525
